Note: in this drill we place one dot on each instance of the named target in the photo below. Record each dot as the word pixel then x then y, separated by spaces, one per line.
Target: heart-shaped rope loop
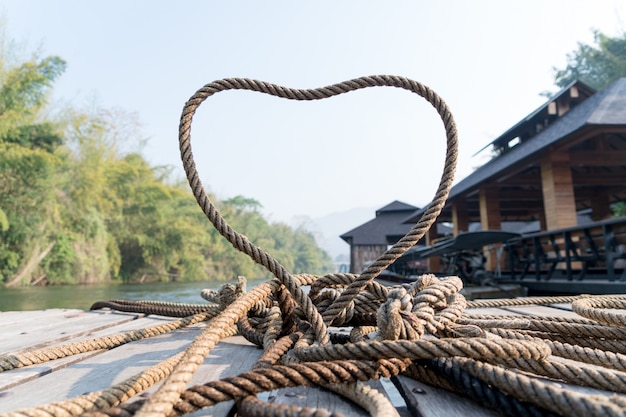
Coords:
pixel 261 257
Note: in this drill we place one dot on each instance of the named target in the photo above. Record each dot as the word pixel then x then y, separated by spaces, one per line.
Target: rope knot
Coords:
pixel 437 302
pixel 395 320
pixel 227 293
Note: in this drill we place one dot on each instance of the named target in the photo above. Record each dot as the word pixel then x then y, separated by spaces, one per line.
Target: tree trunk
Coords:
pixel 34 260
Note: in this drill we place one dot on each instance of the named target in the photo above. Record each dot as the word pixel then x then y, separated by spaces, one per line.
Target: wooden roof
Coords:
pixel 385 227
pixel 535 122
pixel 592 129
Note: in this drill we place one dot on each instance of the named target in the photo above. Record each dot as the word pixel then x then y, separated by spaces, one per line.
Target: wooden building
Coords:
pixel 370 240
pixel 566 156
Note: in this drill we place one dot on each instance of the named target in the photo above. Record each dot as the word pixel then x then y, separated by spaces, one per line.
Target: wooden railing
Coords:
pixel 591 251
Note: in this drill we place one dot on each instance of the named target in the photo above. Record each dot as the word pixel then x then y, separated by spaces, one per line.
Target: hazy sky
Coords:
pixel 489 60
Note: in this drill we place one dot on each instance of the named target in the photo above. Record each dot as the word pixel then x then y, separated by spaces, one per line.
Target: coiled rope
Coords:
pixel 421 330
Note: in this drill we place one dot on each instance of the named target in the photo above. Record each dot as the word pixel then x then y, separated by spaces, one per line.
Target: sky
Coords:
pixel 489 60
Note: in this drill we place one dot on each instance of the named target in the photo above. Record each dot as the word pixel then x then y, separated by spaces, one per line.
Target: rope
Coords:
pixel 420 330
pixel 335 312
pixel 444 374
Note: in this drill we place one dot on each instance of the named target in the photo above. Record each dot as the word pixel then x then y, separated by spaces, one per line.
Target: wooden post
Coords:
pixel 558 191
pixel 600 205
pixel 434 262
pixel 541 216
pixel 460 221
pixel 490 219
pixel 356 263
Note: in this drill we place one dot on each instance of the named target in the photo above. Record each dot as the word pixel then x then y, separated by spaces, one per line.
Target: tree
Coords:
pixel 596 65
pixel 27 161
pixel 80 204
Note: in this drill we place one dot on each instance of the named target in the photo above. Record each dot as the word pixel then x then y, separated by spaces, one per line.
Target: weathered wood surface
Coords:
pixel 425 400
pixel 93 371
pixel 70 377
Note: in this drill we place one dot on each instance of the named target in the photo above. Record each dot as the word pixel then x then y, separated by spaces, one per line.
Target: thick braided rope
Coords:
pixel 497 351
pixel 281 376
pixel 170 309
pixel 608 345
pixel 337 280
pixel 592 308
pixel 442 373
pixel 241 243
pixel 266 379
pixel 432 303
pixel 160 303
pixel 578 353
pixel 428 349
pixel 572 373
pixel 572 329
pixel 503 318
pixel 542 393
pixel 504 302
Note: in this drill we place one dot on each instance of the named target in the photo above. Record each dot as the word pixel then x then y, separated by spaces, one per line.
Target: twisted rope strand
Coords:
pixel 428 349
pixel 542 393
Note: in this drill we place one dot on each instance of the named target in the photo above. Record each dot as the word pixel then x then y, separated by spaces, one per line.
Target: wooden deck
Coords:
pixel 77 375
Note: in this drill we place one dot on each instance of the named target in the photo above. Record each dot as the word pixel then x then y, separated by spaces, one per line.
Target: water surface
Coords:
pixel 83 296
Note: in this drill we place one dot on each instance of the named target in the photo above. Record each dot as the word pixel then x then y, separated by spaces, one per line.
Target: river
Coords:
pixel 83 296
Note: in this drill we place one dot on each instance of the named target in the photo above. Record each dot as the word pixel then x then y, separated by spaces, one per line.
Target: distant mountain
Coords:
pixel 327 229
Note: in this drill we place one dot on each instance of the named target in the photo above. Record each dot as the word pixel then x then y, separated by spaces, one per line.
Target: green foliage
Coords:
pixel 41 136
pixel 26 189
pixel 24 89
pixel 75 209
pixel 596 65
pixel 4 221
pixel 619 209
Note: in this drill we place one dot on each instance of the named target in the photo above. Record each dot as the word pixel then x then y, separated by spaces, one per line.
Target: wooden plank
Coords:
pixel 428 401
pixel 71 377
pixel 94 371
pixel 15 377
pixel 316 397
pixel 230 357
pixel 10 317
pixel 43 328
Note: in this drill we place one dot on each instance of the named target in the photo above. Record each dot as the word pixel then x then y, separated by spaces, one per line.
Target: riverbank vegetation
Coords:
pixel 77 206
